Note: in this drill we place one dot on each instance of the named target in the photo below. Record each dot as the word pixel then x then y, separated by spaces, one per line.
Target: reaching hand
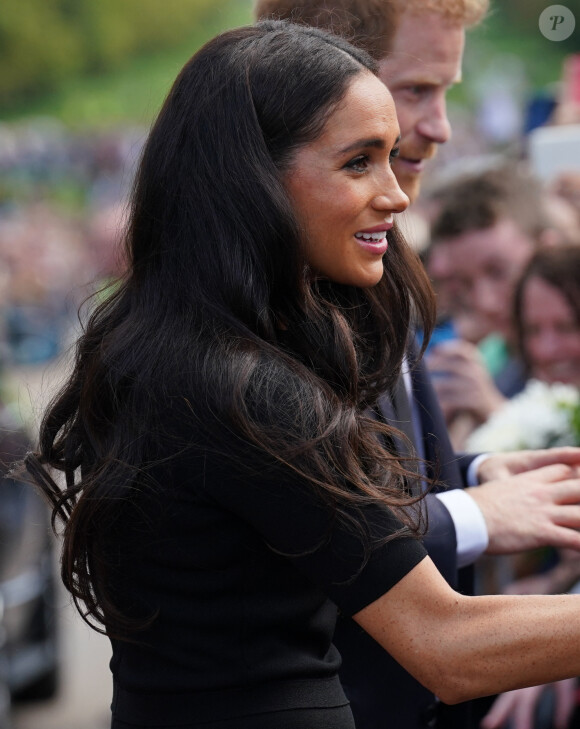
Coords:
pixel 520 706
pixel 462 382
pixel 500 465
pixel 532 509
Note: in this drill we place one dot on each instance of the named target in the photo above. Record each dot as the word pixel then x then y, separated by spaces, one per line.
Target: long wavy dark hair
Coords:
pixel 218 312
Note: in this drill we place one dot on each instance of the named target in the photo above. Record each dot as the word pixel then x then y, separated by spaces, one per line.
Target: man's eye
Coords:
pixel 416 90
pixel 358 164
pixel 394 154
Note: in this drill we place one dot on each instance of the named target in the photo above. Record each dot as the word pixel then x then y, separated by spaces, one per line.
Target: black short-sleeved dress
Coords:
pixel 243 570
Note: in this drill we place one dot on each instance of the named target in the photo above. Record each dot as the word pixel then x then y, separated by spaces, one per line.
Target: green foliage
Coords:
pixel 512 27
pixel 510 36
pixel 44 43
pixel 576 424
pixel 38 47
pixel 134 92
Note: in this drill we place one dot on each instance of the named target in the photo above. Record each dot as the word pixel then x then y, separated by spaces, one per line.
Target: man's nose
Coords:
pixel 434 124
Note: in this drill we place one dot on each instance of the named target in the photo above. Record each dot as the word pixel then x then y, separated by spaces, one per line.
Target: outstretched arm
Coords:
pixel 464 647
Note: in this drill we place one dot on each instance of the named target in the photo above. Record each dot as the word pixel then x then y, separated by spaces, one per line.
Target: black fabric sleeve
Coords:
pixel 464 460
pixel 349 559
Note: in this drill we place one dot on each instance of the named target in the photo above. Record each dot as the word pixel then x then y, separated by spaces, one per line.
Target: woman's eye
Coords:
pixel 358 164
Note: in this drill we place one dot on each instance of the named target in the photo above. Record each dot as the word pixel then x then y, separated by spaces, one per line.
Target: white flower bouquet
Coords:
pixel 541 416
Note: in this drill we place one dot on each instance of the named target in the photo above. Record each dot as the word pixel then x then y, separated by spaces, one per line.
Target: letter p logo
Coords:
pixel 557 23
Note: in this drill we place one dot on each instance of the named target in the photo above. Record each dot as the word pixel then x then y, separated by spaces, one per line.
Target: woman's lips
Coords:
pixel 387 224
pixel 377 247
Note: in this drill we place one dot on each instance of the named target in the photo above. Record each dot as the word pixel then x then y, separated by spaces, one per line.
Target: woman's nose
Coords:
pixel 392 199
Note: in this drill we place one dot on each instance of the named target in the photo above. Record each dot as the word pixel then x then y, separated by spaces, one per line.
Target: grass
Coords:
pixel 133 94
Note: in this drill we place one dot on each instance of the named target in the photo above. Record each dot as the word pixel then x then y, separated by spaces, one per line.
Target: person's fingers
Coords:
pixel 500 711
pixel 564 493
pixel 566 454
pixel 458 348
pixel 551 472
pixel 567 516
pixel 556 536
pixel 453 361
pixel 525 708
pixel 536 585
pixel 565 695
pixel 500 465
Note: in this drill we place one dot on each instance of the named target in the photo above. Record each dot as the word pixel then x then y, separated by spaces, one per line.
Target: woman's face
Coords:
pixel 551 334
pixel 343 188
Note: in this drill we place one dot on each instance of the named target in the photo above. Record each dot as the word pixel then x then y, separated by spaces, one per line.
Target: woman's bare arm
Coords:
pixel 463 647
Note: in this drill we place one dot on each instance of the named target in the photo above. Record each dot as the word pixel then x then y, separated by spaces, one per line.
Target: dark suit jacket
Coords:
pixel 382 694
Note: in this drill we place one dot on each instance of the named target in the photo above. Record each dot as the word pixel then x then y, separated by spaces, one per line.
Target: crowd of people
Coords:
pixel 504 257
pixel 250 437
pixel 485 228
pixel 62 200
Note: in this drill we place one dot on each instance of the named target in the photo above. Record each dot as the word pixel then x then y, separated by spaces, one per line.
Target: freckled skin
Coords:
pixel 342 183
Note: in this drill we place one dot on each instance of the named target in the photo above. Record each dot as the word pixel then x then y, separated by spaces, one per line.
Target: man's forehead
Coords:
pixel 420 73
pixel 426 44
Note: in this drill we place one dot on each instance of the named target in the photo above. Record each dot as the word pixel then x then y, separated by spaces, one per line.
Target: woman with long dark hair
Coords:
pixel 227 481
pixel 547 315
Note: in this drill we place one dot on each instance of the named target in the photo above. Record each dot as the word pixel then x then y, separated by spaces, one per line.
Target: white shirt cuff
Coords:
pixel 471 476
pixel 470 526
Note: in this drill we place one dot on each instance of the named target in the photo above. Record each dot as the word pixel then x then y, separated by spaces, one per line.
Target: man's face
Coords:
pixel 424 62
pixel 480 269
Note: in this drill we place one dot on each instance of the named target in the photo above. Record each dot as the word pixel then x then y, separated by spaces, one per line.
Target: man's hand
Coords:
pixel 532 509
pixel 501 465
pixel 520 706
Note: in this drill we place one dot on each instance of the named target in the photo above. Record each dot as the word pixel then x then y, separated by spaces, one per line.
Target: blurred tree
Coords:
pixel 44 42
pixel 39 46
pixel 521 17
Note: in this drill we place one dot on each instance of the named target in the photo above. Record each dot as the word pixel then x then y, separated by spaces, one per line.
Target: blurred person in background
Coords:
pixel 566 186
pixel 547 327
pixel 45 260
pixel 486 228
pixel 567 110
pixel 562 214
pixel 547 315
